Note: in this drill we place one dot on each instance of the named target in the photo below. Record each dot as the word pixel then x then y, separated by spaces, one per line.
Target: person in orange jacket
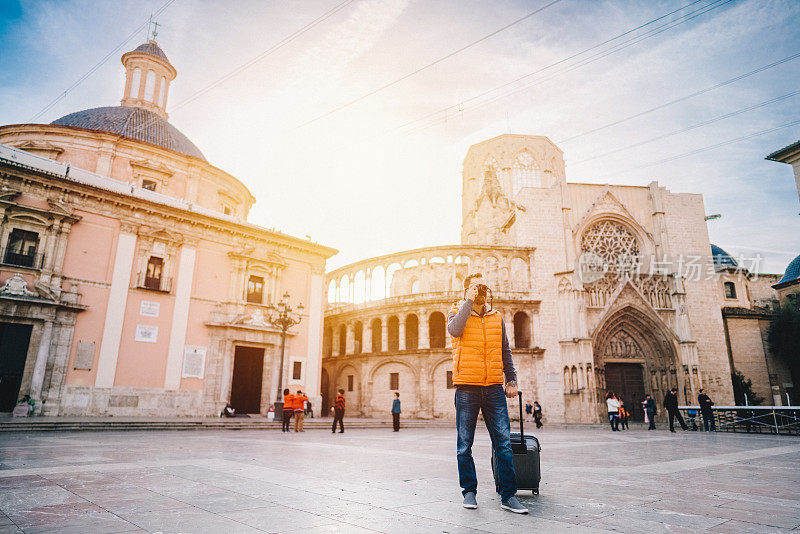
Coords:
pixel 300 401
pixel 484 376
pixel 288 409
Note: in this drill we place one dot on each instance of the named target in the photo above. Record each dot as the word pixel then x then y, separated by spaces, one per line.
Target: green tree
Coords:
pixel 783 335
pixel 744 386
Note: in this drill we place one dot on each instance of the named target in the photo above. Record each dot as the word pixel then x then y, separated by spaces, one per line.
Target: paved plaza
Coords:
pixel 376 481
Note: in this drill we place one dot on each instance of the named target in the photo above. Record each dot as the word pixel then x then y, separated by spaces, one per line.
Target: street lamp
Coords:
pixel 284 317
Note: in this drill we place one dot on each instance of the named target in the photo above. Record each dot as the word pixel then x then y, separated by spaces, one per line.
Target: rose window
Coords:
pixel 612 242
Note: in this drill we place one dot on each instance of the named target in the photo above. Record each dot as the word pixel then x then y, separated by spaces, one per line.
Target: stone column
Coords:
pixel 180 318
pixel 424 341
pixel 384 333
pixel 42 354
pixel 366 338
pixel 401 334
pixel 351 338
pixel 508 319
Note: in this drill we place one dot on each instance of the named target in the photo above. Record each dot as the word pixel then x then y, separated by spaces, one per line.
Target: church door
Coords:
pixel 14 339
pixel 625 380
pixel 248 370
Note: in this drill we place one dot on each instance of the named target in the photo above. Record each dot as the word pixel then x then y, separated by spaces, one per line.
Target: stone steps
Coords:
pixel 37 424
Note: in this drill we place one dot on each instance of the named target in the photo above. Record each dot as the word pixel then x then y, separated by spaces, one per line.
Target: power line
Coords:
pixel 710 147
pixel 692 127
pixel 429 65
pixel 286 40
pixel 686 97
pixel 99 63
pixel 583 62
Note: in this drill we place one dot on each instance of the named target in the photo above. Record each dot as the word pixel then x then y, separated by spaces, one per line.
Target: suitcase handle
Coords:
pixel 524 446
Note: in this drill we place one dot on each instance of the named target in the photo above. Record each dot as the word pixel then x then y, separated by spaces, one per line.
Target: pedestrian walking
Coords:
pixel 528 411
pixel 537 414
pixel 288 409
pixel 649 405
pixel 671 405
pixel 300 401
pixel 309 410
pixel 338 412
pixel 623 415
pixel 613 411
pixel 483 375
pixel 396 412
pixel 705 402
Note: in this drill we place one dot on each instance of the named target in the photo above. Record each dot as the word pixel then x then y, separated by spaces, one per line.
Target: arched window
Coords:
pixel 377 335
pixel 437 330
pixel 394 333
pixel 344 289
pixel 378 281
pixel 522 330
pixel 136 81
pixel 412 332
pixel 415 286
pixel 161 99
pixel 358 336
pixel 573 381
pixel 525 172
pixel 332 291
pixel 613 243
pixel 342 340
pixel 730 290
pixel 359 287
pixel 327 342
pixel 150 86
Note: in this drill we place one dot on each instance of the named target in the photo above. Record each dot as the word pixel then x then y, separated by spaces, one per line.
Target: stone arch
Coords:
pixel 630 340
pixel 522 330
pixel 332 292
pixel 437 330
pixel 358 337
pixel 381 395
pixel 342 339
pixel 376 327
pixel 353 397
pixel 442 396
pixel 327 341
pixel 393 327
pixel 412 332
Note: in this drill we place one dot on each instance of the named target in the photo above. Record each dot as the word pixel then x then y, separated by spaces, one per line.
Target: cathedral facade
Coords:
pixel 601 287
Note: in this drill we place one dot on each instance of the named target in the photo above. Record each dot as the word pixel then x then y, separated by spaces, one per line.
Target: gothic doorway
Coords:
pixel 634 354
pixel 625 380
pixel 14 339
pixel 248 370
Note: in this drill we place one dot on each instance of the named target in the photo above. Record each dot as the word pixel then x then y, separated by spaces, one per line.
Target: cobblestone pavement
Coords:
pixel 375 480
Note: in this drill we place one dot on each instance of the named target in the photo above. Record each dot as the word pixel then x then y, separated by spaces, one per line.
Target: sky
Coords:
pixel 371 178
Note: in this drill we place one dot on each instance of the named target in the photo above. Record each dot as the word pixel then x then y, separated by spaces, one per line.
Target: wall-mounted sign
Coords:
pixel 194 361
pixel 148 308
pixel 146 333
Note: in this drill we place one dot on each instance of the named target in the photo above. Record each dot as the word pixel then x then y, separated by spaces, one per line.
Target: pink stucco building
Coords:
pixel 131 282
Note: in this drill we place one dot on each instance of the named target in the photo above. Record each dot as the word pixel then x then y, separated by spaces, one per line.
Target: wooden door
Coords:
pixel 625 380
pixel 248 371
pixel 14 339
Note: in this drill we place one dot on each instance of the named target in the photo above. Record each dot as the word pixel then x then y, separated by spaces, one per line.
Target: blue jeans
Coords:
pixel 491 401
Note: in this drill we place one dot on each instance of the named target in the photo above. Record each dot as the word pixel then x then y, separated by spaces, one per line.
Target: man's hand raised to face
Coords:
pixel 472 292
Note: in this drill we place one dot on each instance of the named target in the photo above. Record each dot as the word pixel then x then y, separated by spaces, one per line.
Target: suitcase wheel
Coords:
pixel 535 491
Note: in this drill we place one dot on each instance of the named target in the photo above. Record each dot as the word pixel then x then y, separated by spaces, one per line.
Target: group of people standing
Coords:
pixel 534 411
pixel 617 414
pixel 294 406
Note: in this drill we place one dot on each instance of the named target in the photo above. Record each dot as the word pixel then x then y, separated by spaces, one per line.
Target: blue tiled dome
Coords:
pixel 792 271
pixel 721 258
pixel 133 123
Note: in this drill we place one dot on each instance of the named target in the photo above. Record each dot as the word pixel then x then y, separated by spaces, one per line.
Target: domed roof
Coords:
pixel 134 123
pixel 721 258
pixel 152 48
pixel 792 271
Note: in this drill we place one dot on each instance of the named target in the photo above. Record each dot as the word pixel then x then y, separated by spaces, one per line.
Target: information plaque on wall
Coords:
pixel 148 308
pixel 147 333
pixel 194 361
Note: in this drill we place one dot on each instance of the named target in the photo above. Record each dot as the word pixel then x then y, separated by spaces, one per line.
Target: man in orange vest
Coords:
pixel 299 411
pixel 483 374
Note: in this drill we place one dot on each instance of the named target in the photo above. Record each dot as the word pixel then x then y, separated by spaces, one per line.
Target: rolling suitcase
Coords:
pixel 526 458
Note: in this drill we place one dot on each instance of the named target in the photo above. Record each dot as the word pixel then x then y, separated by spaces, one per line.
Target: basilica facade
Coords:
pixel 601 287
pixel 131 282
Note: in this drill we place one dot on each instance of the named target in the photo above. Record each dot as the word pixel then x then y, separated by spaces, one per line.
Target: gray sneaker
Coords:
pixel 513 504
pixel 470 501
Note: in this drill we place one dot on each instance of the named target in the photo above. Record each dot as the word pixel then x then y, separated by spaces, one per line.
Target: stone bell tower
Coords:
pixel 148 74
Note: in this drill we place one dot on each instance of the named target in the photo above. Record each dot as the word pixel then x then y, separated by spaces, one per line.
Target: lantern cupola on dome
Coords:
pixel 148 74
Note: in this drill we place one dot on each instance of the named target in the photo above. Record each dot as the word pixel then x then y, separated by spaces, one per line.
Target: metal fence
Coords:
pixel 749 419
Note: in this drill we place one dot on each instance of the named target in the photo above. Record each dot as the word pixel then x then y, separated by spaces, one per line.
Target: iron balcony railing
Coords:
pixel 18 259
pixel 162 284
pixel 749 419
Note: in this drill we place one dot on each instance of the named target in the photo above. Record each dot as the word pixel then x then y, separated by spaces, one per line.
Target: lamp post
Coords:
pixel 284 317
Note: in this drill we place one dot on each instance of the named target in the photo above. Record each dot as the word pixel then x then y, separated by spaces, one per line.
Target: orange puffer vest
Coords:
pixel 478 353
